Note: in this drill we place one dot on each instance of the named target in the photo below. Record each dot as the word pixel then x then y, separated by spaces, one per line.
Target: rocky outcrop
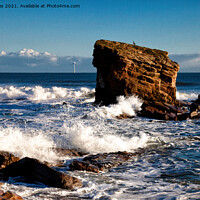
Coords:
pixel 83 166
pixel 6 159
pixel 34 171
pixel 125 69
pixel 68 152
pixel 103 161
pixel 182 110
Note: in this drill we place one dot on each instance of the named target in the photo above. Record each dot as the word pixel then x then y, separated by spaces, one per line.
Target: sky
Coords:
pixel 69 34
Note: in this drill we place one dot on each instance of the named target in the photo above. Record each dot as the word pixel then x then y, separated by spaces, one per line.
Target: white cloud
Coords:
pixel 54 59
pixel 28 60
pixel 47 53
pixel 2 53
pixel 187 62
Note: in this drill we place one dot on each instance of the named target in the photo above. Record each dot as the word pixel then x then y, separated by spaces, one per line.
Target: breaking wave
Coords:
pixel 93 136
pixel 22 144
pixel 90 139
pixel 126 105
pixel 39 93
pixel 186 96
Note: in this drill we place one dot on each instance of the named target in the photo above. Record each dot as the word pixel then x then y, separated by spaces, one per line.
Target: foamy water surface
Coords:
pixel 34 121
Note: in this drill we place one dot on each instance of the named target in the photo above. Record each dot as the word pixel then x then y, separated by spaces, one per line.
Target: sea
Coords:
pixel 43 111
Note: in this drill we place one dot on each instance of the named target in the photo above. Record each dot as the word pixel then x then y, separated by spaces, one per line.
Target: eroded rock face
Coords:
pixel 125 69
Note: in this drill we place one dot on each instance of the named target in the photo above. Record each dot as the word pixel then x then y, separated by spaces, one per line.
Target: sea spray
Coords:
pixel 168 169
pixel 94 136
pixel 90 139
pixel 39 93
pixel 186 96
pixel 126 105
pixel 11 92
pixel 28 144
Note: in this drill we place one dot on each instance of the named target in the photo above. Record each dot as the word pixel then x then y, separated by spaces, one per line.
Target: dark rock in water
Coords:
pixel 124 116
pixel 68 152
pixel 194 115
pixel 183 116
pixel 35 171
pixel 83 166
pixel 198 100
pixel 183 103
pixel 6 159
pixel 9 196
pixel 165 111
pixel 195 110
pixel 103 161
pixel 158 110
pixel 125 69
pixel 194 107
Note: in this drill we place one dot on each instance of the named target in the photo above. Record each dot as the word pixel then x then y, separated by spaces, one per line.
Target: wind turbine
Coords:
pixel 74 63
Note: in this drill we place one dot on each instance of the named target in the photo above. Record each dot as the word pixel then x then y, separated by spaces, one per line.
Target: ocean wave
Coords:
pixel 33 144
pixel 39 93
pixel 92 139
pixel 186 96
pixel 126 105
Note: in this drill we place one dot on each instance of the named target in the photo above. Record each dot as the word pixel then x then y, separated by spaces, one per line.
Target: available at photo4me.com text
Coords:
pixel 37 5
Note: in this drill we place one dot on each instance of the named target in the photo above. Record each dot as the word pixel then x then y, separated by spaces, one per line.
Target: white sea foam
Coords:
pixel 186 96
pixel 94 140
pixel 12 92
pixel 126 105
pixel 34 145
pixel 96 137
pixel 38 93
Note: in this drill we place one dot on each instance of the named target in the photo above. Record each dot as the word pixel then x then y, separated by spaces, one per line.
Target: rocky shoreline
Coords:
pixel 181 110
pixel 122 69
pixel 33 171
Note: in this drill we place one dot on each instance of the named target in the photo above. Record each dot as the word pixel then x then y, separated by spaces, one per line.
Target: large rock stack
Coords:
pixel 126 69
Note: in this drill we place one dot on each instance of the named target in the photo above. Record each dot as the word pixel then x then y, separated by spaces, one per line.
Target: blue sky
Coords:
pixel 171 25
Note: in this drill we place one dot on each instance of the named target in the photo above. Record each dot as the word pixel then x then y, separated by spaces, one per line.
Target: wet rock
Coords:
pixel 194 115
pixel 68 152
pixel 124 116
pixel 158 110
pixel 106 161
pixel 175 109
pixel 126 69
pixel 181 103
pixel 9 196
pixel 197 101
pixel 34 171
pixel 152 112
pixel 183 116
pixel 103 161
pixel 6 159
pixel 194 107
pixel 83 166
pixel 165 111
